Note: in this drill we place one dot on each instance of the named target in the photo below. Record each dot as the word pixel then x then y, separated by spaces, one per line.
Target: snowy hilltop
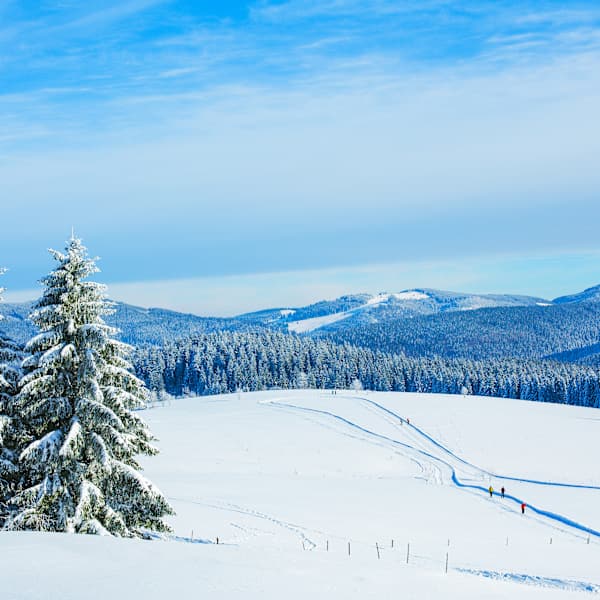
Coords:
pixel 348 311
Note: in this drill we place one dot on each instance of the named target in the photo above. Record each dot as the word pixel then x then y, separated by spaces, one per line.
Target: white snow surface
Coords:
pixel 410 295
pixel 306 325
pixel 286 479
pixel 378 299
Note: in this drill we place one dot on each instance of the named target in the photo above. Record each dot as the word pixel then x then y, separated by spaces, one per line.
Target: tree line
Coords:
pixel 222 362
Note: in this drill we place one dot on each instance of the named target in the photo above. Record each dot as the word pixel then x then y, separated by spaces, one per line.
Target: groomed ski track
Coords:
pixel 467 463
pixel 414 452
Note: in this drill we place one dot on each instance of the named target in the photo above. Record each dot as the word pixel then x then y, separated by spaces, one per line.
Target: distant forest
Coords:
pixel 222 362
pixel 543 353
pixel 488 333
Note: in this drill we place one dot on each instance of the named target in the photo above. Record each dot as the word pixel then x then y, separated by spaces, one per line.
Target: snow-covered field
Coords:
pixel 290 481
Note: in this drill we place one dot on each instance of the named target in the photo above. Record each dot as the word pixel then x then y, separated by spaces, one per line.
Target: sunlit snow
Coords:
pixel 287 480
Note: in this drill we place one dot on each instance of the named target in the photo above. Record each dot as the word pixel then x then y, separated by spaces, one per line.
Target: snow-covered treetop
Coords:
pixel 68 301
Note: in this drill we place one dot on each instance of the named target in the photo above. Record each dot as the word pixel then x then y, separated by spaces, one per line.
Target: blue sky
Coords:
pixel 225 156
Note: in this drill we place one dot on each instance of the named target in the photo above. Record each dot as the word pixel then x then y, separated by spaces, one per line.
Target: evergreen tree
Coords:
pixel 10 429
pixel 79 471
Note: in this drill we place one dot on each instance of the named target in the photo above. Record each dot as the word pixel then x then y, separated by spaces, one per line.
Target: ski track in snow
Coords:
pixel 548 582
pixel 467 463
pixel 436 459
pixel 178 538
pixel 296 529
pixel 550 515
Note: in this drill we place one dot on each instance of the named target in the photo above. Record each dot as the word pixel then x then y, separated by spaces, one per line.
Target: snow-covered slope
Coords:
pixel 319 495
pixel 305 325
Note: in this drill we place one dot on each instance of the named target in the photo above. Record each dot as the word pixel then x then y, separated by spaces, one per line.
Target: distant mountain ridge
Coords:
pixel 367 308
pixel 138 326
pixel 591 294
pixel 415 322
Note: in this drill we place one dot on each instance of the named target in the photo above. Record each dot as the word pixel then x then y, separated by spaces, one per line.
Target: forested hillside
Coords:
pixel 487 333
pixel 137 326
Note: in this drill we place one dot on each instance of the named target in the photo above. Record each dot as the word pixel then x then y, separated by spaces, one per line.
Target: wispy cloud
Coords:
pixel 564 17
pixel 106 15
pixel 191 54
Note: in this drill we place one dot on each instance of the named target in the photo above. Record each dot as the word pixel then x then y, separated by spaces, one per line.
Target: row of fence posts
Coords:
pixel 377 546
pixel 216 539
pixel 378 549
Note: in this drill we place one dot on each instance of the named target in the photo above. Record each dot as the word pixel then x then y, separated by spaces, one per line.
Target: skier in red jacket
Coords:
pixel 523 505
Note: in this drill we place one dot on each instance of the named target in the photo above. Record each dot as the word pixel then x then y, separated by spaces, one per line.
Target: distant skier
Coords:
pixel 502 491
pixel 523 505
pixel 491 491
pixel 407 421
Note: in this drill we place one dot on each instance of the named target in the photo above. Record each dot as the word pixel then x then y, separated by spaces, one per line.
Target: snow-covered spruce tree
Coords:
pixel 79 472
pixel 11 434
